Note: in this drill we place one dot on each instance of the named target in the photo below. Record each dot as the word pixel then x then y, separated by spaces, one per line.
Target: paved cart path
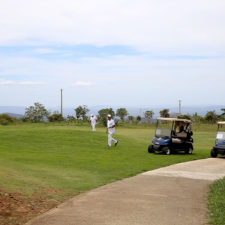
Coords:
pixel 172 195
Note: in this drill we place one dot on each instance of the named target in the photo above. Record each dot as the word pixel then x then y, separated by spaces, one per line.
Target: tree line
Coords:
pixel 38 113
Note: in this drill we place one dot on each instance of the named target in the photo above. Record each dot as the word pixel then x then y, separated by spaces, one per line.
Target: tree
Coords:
pixel 36 113
pixel 211 116
pixel 102 115
pixel 131 119
pixel 138 118
pixel 164 113
pixel 81 112
pixel 149 114
pixel 121 112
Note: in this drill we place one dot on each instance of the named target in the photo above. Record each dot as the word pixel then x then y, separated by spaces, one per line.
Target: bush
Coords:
pixel 197 118
pixel 5 119
pixel 56 117
pixel 71 118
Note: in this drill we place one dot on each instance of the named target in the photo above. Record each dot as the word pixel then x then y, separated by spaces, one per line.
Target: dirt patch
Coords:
pixel 16 209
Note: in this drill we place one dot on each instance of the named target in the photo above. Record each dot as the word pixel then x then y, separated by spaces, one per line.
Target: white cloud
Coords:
pixel 164 28
pixel 82 84
pixel 175 25
pixel 30 83
pixel 124 80
pixel 10 82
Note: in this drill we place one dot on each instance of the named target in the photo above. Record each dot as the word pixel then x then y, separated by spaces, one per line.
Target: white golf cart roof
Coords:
pixel 221 122
pixel 174 120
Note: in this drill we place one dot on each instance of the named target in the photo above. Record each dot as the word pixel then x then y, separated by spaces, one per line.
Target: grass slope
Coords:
pixel 69 160
pixel 217 202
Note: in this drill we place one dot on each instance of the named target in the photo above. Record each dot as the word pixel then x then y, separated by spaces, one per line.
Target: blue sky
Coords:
pixel 133 53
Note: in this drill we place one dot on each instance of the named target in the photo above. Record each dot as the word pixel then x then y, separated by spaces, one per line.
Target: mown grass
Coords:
pixel 73 159
pixel 217 202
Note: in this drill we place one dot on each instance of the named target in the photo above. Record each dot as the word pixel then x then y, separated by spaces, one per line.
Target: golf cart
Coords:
pixel 219 147
pixel 172 135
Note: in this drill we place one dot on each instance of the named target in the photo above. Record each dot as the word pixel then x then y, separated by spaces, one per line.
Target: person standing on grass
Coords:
pixel 110 131
pixel 93 121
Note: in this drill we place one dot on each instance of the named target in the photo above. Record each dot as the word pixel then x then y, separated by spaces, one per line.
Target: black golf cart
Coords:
pixel 219 147
pixel 172 135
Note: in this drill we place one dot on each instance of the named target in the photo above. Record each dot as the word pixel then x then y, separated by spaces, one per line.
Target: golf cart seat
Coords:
pixel 177 141
pixel 182 135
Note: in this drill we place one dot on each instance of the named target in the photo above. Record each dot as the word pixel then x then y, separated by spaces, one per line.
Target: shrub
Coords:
pixel 197 118
pixel 71 118
pixel 5 119
pixel 56 117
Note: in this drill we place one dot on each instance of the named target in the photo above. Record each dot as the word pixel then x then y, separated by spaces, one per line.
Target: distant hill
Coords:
pixel 18 116
pixel 12 109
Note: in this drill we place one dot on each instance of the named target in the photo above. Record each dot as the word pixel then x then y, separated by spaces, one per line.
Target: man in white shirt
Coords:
pixel 110 131
pixel 93 121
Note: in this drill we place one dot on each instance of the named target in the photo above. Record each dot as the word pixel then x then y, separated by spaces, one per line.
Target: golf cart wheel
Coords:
pixel 214 153
pixel 166 150
pixel 150 149
pixel 189 150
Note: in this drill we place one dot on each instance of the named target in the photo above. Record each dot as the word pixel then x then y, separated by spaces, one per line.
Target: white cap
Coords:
pixel 109 115
pixel 92 114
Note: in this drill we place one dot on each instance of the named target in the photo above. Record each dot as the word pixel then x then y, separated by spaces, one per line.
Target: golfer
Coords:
pixel 93 121
pixel 110 131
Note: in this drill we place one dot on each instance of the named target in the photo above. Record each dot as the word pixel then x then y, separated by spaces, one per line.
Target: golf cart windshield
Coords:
pixel 220 136
pixel 221 131
pixel 163 129
pixel 173 127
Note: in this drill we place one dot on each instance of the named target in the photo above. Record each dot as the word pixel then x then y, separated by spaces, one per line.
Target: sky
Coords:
pixel 120 52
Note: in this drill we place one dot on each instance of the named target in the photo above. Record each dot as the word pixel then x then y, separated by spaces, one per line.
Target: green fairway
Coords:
pixel 76 159
pixel 67 160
